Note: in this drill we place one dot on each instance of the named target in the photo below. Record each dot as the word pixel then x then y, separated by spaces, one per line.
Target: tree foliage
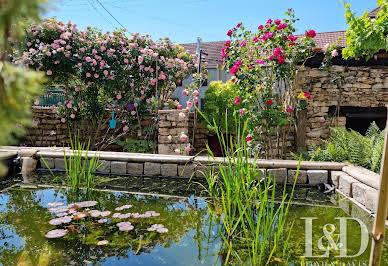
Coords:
pixel 17 85
pixel 366 36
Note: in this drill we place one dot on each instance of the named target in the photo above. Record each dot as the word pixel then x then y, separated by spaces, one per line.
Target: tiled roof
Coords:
pixel 374 12
pixel 212 50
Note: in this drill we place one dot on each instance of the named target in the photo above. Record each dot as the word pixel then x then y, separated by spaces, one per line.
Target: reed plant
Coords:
pixel 251 224
pixel 79 168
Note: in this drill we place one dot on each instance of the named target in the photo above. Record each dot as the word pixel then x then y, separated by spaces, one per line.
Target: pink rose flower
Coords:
pixel 230 32
pixel 69 105
pixel 63 120
pixel 96 75
pixel 183 137
pixel 88 75
pixel 118 96
pixel 289 110
pixel 184 92
pixel 277 21
pixel 125 128
pixel 133 112
pixel 237 101
pixel 49 73
pixel 72 116
pixel 106 72
pixel 322 119
pixel 36 102
pixel 334 53
pixel 179 107
pixel 187 149
pixel 177 151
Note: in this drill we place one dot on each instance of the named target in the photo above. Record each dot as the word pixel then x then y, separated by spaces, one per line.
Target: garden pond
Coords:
pixel 147 221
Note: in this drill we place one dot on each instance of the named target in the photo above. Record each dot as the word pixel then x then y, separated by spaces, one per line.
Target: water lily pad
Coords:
pixel 123 207
pixel 56 233
pixel 102 242
pixel 85 204
pixel 54 204
pixel 59 209
pixel 61 220
pixel 105 213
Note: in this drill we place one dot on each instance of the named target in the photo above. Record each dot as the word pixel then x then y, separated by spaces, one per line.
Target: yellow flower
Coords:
pixel 301 96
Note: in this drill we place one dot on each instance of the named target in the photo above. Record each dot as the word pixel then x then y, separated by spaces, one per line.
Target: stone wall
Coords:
pixel 49 131
pixel 361 86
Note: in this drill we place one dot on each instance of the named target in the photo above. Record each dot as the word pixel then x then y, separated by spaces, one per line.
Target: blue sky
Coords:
pixel 184 20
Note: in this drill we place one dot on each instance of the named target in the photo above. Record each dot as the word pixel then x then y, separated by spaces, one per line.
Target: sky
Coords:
pixel 185 20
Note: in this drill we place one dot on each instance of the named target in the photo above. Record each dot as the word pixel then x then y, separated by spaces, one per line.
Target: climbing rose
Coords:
pixel 277 21
pixel 183 137
pixel 184 92
pixel 237 100
pixel 289 110
pixel 72 116
pixel 282 26
pixel 230 32
pixel 118 96
pixel 311 33
pixel 63 120
pixel 187 149
pixel 269 102
pixel 189 104
pixel 49 73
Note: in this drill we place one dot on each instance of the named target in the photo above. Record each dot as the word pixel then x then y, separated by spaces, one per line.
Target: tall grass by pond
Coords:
pixel 79 168
pixel 251 224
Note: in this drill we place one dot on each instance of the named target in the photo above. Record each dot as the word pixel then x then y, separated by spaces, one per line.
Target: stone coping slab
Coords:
pixel 57 152
pixel 5 155
pixel 363 175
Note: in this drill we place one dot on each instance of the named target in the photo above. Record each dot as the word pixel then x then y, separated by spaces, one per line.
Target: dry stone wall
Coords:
pixel 359 86
pixel 49 131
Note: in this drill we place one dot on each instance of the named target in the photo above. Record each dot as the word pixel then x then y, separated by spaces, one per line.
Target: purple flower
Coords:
pixel 130 107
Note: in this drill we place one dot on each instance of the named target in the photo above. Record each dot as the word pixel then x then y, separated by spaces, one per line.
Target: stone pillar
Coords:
pixel 173 124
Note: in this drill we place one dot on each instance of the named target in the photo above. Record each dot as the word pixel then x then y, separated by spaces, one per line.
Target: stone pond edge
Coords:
pixel 354 182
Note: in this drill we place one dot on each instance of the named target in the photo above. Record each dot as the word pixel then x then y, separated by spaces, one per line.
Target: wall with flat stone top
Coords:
pixel 361 87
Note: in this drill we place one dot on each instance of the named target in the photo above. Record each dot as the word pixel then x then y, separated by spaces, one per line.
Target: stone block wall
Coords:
pixel 49 131
pixel 361 86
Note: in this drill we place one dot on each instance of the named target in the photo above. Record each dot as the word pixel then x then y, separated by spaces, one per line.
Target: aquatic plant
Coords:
pixel 251 224
pixel 79 168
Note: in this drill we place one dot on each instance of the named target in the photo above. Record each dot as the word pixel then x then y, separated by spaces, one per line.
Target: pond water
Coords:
pixel 191 237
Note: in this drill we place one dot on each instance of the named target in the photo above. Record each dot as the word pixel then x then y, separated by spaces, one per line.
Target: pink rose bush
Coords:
pixel 99 71
pixel 263 65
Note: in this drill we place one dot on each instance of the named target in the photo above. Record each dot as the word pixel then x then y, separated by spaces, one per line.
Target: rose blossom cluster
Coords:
pixel 109 69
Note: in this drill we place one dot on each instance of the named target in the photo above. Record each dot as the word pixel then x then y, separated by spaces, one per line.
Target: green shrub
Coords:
pixel 219 98
pixel 350 146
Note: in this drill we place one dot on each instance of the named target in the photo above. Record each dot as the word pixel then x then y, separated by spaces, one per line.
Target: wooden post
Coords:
pixel 382 208
pixel 301 119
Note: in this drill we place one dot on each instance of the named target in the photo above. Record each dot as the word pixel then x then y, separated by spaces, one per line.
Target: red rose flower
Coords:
pixel 311 33
pixel 269 102
pixel 307 95
pixel 249 138
pixel 237 100
pixel 230 32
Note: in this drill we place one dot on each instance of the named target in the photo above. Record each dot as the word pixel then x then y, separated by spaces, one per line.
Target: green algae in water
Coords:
pixel 192 237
